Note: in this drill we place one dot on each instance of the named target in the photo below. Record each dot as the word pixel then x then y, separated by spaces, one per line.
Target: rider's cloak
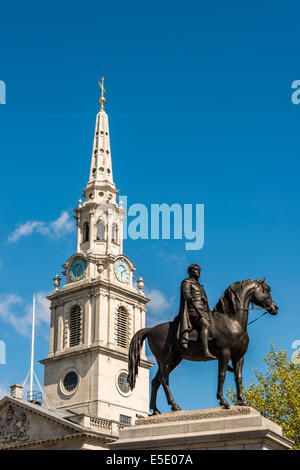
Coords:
pixel 184 326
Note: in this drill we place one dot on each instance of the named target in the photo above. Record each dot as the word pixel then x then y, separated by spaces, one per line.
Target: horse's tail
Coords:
pixel 134 355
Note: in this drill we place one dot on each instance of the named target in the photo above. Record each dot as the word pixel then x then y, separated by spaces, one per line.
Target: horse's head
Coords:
pixel 262 297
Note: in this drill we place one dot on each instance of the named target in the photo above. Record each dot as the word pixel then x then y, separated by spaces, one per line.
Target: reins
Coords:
pixel 256 308
pixel 257 317
pixel 253 308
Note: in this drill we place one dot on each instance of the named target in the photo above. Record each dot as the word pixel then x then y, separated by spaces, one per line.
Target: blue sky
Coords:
pixel 200 110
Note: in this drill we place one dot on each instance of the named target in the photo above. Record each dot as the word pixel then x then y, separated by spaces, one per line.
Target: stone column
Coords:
pixel 60 327
pixel 131 321
pixel 79 231
pixel 109 226
pixel 95 303
pixel 103 314
pixel 86 312
pixel 111 320
pixel 92 231
pixel 52 326
pixel 134 318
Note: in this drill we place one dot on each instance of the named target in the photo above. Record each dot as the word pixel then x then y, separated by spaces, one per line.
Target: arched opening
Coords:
pixel 100 230
pixel 86 232
pixel 114 233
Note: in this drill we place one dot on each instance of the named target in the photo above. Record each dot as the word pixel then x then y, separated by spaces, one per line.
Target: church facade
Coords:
pixel 93 318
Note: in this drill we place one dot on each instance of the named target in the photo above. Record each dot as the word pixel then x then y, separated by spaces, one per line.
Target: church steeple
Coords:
pixel 98 310
pixel 99 218
pixel 101 167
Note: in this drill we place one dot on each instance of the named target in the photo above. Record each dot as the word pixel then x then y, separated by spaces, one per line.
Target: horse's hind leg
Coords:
pixel 155 384
pixel 165 370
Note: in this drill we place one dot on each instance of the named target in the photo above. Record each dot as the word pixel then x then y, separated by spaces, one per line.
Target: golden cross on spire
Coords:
pixel 102 99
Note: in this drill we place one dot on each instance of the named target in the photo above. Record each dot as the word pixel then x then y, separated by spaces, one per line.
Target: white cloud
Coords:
pixel 158 307
pixel 64 224
pixel 159 302
pixel 55 229
pixel 42 307
pixel 24 230
pixel 18 313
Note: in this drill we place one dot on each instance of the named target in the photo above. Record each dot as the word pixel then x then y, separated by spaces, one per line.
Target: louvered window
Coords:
pixel 75 325
pixel 122 327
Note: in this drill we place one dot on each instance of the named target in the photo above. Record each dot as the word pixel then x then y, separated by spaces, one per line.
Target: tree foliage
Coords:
pixel 277 393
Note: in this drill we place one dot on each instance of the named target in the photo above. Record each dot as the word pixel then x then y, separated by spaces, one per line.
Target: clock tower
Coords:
pixel 98 310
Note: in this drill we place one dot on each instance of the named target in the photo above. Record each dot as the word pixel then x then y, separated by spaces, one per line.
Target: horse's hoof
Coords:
pixel 242 403
pixel 156 412
pixel 225 405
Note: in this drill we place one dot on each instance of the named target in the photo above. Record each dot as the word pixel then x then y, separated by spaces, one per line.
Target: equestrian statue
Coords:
pixel 197 334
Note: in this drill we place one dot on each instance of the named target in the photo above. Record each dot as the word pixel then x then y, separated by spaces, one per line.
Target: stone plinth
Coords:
pixel 238 428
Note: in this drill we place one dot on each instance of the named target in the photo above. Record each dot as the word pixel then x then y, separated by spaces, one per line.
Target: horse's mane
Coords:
pixel 231 296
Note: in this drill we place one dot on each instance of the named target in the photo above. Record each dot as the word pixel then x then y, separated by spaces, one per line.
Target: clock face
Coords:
pixel 122 270
pixel 77 269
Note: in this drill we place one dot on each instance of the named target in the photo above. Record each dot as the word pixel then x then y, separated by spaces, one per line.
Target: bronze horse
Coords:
pixel 230 342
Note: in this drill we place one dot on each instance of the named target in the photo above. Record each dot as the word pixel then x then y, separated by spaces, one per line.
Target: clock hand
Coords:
pixel 121 273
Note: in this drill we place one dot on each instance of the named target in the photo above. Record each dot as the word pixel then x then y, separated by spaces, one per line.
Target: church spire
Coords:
pixel 101 167
pixel 99 218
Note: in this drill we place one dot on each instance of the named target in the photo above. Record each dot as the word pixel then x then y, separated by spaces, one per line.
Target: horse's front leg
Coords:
pixel 238 368
pixel 155 384
pixel 222 367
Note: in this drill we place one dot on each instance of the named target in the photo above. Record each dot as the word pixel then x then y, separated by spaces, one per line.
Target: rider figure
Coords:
pixel 194 311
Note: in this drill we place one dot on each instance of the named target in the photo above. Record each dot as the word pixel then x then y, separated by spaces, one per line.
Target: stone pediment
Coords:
pixel 14 425
pixel 22 422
